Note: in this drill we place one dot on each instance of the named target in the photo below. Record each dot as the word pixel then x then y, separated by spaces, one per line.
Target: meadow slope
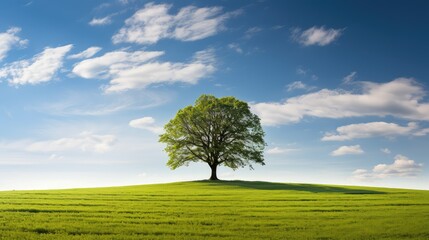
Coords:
pixel 216 210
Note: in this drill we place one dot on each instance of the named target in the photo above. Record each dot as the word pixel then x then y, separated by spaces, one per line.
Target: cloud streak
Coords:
pixel 139 69
pixel 401 98
pixel 146 123
pixel 85 142
pixel 9 39
pixel 319 36
pixel 298 85
pixel 372 129
pixel 101 21
pixel 350 78
pixel 279 150
pixel 251 32
pixel 347 150
pixel 236 47
pixel 89 52
pixel 86 103
pixel 154 22
pixel 41 68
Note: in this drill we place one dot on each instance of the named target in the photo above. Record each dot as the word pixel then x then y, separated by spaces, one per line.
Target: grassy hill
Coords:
pixel 216 210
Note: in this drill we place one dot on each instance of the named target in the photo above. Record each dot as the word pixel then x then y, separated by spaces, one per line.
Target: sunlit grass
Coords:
pixel 216 210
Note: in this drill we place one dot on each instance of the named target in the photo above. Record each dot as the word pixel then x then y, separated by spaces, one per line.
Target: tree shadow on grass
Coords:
pixel 291 186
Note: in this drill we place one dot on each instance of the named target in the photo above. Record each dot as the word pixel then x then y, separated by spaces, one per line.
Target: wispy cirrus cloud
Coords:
pixel 279 150
pixel 421 132
pixel 85 142
pixel 9 39
pixel 113 62
pixel 298 85
pixel 350 78
pixel 401 98
pixel 87 103
pixel 236 47
pixel 41 68
pixel 154 22
pixel 401 167
pixel 372 129
pixel 146 123
pixel 89 52
pixel 139 69
pixel 347 150
pixel 101 21
pixel 319 36
pixel 301 71
pixel 251 32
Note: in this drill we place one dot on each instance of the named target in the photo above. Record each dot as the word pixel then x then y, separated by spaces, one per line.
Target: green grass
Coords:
pixel 216 210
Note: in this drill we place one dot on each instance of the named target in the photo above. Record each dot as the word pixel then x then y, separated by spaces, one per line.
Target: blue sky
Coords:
pixel 86 86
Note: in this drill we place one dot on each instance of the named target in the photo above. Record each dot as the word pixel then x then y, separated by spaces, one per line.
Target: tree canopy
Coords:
pixel 218 131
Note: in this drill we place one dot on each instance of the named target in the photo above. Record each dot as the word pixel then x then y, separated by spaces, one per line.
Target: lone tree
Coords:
pixel 218 131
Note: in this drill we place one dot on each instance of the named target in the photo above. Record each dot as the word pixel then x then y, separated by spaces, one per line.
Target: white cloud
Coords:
pixel 252 32
pixel 385 150
pixel 101 21
pixel 401 167
pixel 86 103
pixel 422 132
pixel 86 142
pixel 147 123
pixel 301 71
pixel 316 36
pixel 153 22
pixel 89 52
pixel 41 68
pixel 131 70
pixel 194 23
pixel 236 47
pixel 368 130
pixel 314 77
pixel 345 150
pixel 102 6
pixel 298 85
pixel 402 98
pixel 278 150
pixel 146 26
pixel 112 62
pixel 349 78
pixel 9 39
pixel 81 108
pixel 55 157
pixel 362 174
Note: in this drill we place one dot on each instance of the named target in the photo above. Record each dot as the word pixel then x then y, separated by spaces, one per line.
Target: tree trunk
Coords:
pixel 214 174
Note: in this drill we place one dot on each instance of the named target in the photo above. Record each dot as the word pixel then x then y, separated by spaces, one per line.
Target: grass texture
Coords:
pixel 216 210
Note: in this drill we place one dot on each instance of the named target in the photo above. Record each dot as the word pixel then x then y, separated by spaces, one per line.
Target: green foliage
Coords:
pixel 230 210
pixel 218 131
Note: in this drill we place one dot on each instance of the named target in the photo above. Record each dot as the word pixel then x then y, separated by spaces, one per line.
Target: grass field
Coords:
pixel 221 210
